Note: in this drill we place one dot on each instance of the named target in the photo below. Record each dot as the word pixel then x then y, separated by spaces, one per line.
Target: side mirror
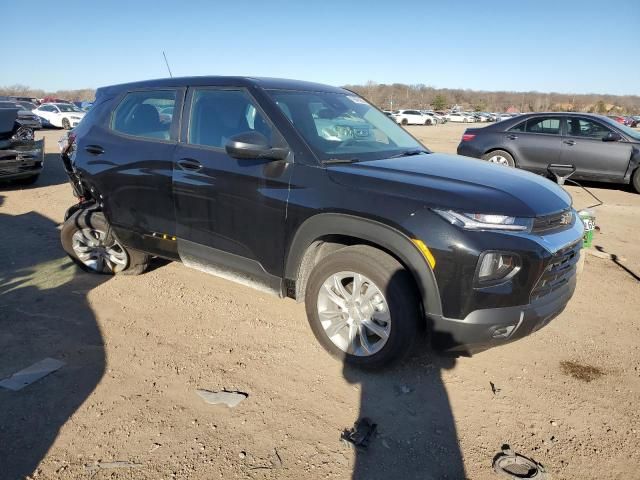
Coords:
pixel 253 145
pixel 612 137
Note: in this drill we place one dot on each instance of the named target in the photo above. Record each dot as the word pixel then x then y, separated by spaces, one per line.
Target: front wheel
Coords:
pixel 89 241
pixel 404 121
pixel 362 306
pixel 65 124
pixel 500 157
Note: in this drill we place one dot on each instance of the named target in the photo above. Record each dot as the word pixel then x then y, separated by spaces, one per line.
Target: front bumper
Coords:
pixel 487 328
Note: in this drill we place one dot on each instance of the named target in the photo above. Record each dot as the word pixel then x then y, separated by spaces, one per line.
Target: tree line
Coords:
pixel 399 96
pixel 420 96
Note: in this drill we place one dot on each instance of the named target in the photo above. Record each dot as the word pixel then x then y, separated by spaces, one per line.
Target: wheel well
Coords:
pixel 323 246
pixel 504 150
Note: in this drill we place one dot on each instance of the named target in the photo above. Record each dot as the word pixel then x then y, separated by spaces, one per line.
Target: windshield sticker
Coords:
pixel 356 100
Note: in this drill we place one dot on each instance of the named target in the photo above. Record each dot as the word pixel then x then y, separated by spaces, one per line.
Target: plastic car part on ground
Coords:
pixel 509 464
pixel 230 399
pixel 361 433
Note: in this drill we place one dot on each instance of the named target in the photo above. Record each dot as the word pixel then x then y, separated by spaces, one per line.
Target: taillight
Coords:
pixel 468 136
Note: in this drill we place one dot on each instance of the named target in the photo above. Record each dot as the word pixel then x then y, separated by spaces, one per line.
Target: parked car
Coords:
pixel 61 115
pixel 21 157
pixel 617 118
pixel 26 119
pixel 598 147
pixel 435 117
pixel 412 117
pixel 376 235
pixel 631 122
pixel 460 117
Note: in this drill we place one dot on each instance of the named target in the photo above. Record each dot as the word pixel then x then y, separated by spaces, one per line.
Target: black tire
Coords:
pixel 635 180
pixel 393 281
pixel 136 261
pixel 404 121
pixel 506 155
pixel 65 124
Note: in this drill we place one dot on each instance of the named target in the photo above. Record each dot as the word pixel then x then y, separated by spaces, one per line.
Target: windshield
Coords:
pixel 343 126
pixel 635 134
pixel 68 108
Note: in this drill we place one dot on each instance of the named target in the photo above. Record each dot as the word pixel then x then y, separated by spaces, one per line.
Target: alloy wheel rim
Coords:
pixel 499 159
pixel 354 313
pixel 92 249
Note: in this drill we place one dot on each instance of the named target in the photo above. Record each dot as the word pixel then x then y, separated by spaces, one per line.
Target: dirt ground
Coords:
pixel 136 349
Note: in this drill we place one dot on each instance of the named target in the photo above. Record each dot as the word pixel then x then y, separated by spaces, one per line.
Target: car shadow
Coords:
pixel 44 313
pixel 416 435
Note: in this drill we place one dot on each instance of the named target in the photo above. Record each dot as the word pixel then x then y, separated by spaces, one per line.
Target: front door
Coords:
pixel 230 213
pixel 583 147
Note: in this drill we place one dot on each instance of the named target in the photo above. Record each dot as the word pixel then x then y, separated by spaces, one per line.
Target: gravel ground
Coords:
pixel 136 349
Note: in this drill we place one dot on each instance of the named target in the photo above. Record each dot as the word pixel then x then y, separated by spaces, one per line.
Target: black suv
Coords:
pixel 309 192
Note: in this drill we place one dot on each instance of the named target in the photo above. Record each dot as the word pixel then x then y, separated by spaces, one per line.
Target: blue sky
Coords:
pixel 562 46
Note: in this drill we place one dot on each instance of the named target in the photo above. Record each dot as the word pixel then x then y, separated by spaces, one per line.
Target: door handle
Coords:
pixel 569 142
pixel 512 136
pixel 94 149
pixel 189 164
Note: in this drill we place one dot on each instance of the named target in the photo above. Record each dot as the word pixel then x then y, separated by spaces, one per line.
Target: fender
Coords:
pixel 389 238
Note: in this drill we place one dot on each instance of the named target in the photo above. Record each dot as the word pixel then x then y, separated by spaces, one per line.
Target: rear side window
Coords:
pixel 550 126
pixel 145 114
pixel 218 115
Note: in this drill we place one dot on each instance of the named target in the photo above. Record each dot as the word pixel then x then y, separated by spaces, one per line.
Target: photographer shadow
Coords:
pixel 44 313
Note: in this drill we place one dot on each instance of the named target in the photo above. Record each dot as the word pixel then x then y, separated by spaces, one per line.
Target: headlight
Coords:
pixel 483 221
pixel 495 267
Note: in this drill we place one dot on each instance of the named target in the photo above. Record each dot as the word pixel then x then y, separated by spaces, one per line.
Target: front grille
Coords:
pixel 558 272
pixel 555 222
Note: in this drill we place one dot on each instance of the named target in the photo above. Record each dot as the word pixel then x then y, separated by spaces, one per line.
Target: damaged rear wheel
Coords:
pixel 88 239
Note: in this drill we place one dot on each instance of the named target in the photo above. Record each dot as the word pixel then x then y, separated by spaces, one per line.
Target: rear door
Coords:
pixel 536 142
pixel 583 147
pixel 230 213
pixel 132 160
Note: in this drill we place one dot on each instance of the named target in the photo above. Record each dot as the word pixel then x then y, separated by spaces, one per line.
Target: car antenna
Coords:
pixel 165 61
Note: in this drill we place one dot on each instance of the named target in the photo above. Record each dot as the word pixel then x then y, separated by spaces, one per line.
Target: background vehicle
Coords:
pixel 617 118
pixel 599 148
pixel 307 191
pixel 436 118
pixel 460 117
pixel 21 158
pixel 62 115
pixel 631 122
pixel 25 118
pixel 412 117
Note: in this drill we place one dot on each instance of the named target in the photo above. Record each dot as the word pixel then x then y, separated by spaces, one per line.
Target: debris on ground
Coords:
pixel 493 388
pixel 586 373
pixel 230 399
pixel 31 374
pixel 513 465
pixel 109 465
pixel 361 433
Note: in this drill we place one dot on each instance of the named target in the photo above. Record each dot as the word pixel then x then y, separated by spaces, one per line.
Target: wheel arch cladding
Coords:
pixel 331 227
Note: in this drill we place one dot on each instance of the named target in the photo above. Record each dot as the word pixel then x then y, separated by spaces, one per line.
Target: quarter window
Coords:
pixel 144 114
pixel 218 115
pixel 580 127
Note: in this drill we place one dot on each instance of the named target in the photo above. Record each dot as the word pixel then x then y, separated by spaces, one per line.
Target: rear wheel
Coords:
pixel 500 157
pixel 362 306
pixel 88 239
pixel 65 124
pixel 635 180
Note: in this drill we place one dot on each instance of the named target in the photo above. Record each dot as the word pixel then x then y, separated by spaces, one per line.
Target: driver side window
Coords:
pixel 218 115
pixel 581 127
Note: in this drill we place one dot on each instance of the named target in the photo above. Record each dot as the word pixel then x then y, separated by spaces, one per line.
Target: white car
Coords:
pixel 63 115
pixel 436 118
pixel 460 117
pixel 412 117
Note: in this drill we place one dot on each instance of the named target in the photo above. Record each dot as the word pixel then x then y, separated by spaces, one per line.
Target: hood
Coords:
pixel 457 183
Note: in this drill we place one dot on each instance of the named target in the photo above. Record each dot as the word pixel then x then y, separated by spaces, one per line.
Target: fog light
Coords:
pixel 503 332
pixel 497 266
